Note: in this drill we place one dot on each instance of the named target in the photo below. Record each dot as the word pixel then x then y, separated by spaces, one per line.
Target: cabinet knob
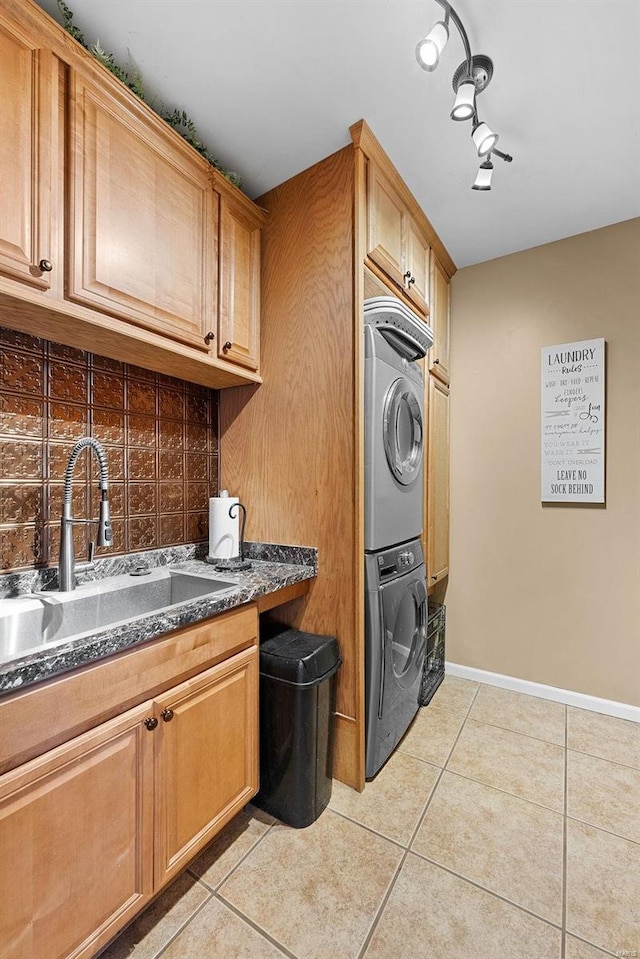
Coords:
pixel 151 723
pixel 435 362
pixel 412 279
pixel 46 266
pixel 227 346
pixel 434 577
pixel 407 274
pixel 167 715
pixel 209 337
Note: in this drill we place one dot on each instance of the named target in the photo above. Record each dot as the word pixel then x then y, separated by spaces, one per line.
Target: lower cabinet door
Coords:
pixel 206 758
pixel 76 842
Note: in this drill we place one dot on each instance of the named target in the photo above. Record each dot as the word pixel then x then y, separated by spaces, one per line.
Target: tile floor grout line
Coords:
pixel 381 908
pixel 515 732
pixel 387 896
pixel 505 792
pixel 356 822
pixel 508 729
pixel 163 949
pixel 490 892
pixel 254 925
pixel 603 759
pixel 605 952
pixel 228 875
pixel 609 832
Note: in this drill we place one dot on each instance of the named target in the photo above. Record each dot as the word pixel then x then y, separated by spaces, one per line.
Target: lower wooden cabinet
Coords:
pixel 91 830
pixel 206 759
pixel 76 834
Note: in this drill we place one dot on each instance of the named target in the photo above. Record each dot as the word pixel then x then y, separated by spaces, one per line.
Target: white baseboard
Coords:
pixel 567 696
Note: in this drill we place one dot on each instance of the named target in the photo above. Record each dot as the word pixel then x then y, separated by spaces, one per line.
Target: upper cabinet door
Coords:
pixel 386 225
pixel 142 227
pixel 239 332
pixel 440 291
pixel 417 264
pixel 29 84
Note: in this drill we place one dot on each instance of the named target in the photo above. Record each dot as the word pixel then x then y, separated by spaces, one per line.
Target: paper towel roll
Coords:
pixel 223 529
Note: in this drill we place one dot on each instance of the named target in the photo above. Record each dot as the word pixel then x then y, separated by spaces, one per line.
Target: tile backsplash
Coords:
pixel 160 435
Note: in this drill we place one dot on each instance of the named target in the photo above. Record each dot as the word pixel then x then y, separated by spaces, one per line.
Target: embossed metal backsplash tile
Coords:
pixel 160 435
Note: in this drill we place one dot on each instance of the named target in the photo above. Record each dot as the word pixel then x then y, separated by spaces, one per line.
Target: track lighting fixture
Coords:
pixel 465 105
pixel 429 49
pixel 483 178
pixel 484 138
pixel 470 78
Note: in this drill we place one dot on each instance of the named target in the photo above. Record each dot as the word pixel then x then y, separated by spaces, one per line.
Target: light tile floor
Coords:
pixel 503 827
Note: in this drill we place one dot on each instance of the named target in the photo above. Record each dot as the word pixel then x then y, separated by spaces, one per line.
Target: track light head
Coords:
pixel 483 178
pixel 465 106
pixel 429 49
pixel 484 138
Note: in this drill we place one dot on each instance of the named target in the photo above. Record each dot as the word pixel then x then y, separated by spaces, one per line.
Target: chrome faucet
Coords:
pixel 66 561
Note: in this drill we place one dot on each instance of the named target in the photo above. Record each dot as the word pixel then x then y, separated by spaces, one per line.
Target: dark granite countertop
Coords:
pixel 273 567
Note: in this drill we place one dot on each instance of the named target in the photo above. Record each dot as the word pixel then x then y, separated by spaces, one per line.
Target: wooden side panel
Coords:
pixel 239 338
pixel 438 482
pixel 288 449
pixel 206 758
pixel 32 721
pixel 28 80
pixel 439 355
pixel 76 834
pixel 142 219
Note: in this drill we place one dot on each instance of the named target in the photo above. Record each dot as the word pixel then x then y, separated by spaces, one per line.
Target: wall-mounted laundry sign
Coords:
pixel 573 422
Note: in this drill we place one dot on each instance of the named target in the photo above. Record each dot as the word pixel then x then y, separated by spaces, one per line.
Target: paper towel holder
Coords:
pixel 235 562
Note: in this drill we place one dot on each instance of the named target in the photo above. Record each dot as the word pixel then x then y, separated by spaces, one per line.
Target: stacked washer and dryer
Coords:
pixel 395 575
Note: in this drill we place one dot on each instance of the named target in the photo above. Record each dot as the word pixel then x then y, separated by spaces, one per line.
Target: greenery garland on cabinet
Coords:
pixel 178 119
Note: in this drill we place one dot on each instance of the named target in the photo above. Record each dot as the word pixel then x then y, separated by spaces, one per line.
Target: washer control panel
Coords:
pixel 399 560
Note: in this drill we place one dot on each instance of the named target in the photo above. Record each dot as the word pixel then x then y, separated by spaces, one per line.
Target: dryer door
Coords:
pixel 404 613
pixel 403 431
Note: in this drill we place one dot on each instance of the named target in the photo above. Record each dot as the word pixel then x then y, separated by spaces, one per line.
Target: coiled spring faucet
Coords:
pixel 66 561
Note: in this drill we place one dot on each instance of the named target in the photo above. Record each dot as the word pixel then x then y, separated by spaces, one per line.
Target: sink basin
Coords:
pixel 35 622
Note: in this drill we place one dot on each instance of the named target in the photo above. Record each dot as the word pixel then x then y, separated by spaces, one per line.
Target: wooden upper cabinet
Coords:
pixel 239 324
pixel 76 834
pixel 206 758
pixel 440 307
pixel 438 482
pixel 386 225
pixel 142 224
pixel 417 264
pixel 394 241
pixel 29 84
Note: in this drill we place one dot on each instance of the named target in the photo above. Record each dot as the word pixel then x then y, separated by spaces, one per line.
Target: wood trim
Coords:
pixel 32 721
pixel 348 741
pixel 284 595
pixel 364 139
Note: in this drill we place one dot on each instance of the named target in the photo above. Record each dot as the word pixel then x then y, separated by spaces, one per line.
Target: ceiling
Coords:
pixel 273 86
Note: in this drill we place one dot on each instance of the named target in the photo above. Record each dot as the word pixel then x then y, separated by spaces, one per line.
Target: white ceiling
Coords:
pixel 273 86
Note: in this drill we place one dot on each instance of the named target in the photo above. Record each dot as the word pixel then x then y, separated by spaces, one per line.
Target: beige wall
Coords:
pixel 549 594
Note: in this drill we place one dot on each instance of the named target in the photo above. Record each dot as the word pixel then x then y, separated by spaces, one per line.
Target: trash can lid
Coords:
pixel 301 658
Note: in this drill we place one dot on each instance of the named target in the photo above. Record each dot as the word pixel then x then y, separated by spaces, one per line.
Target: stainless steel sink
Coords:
pixel 40 620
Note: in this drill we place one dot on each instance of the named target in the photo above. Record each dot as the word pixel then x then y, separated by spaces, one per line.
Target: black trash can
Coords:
pixel 296 699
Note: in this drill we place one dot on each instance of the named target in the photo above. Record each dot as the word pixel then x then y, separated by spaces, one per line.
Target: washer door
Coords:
pixel 404 613
pixel 403 431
